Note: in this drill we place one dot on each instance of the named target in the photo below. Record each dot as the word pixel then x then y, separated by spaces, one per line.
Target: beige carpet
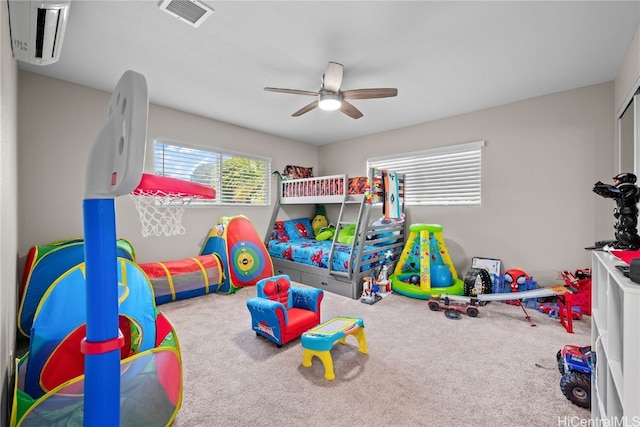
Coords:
pixel 422 369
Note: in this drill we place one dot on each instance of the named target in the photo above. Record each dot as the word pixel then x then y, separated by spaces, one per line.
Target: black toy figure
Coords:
pixel 626 194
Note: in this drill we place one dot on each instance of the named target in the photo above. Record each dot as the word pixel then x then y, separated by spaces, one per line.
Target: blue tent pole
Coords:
pixel 102 347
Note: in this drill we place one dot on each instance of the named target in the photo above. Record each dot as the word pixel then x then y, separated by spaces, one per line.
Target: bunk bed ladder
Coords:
pixel 274 217
pixel 341 224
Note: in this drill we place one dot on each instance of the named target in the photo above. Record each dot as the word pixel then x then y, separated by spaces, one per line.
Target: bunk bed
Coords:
pixel 372 213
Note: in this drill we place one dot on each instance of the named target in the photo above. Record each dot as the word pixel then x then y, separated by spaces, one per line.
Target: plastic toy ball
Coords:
pixel 441 276
pixel 414 279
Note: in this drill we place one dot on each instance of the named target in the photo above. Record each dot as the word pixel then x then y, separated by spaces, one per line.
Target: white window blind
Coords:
pixel 440 176
pixel 237 179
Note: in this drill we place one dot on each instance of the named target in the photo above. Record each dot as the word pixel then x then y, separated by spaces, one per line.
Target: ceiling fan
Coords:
pixel 330 97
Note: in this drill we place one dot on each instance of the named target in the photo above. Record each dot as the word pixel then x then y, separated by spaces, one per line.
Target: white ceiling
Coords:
pixel 445 58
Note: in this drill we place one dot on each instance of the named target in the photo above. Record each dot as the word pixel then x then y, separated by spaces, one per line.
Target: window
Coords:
pixel 237 179
pixel 440 176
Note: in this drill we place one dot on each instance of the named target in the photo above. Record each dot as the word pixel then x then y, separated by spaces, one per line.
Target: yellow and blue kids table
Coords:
pixel 318 341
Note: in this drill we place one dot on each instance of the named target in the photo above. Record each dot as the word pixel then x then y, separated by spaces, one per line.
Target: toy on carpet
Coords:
pixel 555 310
pixel 515 278
pixel 561 293
pixel 505 283
pixel 374 290
pixel 581 280
pixel 514 281
pixel 576 364
pixel 477 282
pixel 369 295
pixel 243 254
pixel 425 267
pixel 452 308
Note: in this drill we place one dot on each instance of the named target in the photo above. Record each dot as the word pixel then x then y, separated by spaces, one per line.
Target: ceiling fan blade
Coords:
pixel 292 91
pixel 332 78
pixel 305 109
pixel 369 93
pixel 350 110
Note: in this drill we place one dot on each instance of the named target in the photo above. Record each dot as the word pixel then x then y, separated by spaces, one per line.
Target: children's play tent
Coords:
pixel 44 264
pixel 244 256
pixel 49 389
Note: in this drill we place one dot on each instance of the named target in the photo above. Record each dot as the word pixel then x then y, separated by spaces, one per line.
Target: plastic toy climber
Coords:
pixel 425 267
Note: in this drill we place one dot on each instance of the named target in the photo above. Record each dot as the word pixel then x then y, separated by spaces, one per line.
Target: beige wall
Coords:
pixel 8 212
pixel 58 122
pixel 541 159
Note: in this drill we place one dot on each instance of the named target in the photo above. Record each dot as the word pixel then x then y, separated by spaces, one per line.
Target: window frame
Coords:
pixel 469 154
pixel 219 154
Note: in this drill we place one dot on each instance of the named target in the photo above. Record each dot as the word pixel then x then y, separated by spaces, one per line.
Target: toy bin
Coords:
pixel 500 286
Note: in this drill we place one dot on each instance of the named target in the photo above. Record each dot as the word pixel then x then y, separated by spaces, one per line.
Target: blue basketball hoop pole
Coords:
pixel 101 346
pixel 114 168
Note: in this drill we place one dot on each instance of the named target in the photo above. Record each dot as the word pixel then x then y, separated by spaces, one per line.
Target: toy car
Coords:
pixel 445 303
pixel 552 310
pixel 575 364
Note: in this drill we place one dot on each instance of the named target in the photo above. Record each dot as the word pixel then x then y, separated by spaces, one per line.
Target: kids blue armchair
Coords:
pixel 281 312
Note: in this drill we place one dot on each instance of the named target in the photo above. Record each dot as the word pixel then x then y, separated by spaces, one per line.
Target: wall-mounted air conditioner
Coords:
pixel 37 29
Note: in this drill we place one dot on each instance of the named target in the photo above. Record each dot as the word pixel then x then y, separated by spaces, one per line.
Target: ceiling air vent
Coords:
pixel 190 11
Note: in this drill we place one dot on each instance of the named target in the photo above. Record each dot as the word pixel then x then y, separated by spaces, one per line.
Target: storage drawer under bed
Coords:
pixel 294 275
pixel 347 289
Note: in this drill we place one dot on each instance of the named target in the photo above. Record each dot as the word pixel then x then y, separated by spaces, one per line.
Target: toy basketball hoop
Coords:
pixel 161 200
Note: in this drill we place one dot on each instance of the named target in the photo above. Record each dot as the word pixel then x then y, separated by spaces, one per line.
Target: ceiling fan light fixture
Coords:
pixel 331 98
pixel 329 101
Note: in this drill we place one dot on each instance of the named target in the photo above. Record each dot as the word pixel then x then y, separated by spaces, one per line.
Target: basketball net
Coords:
pixel 160 212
